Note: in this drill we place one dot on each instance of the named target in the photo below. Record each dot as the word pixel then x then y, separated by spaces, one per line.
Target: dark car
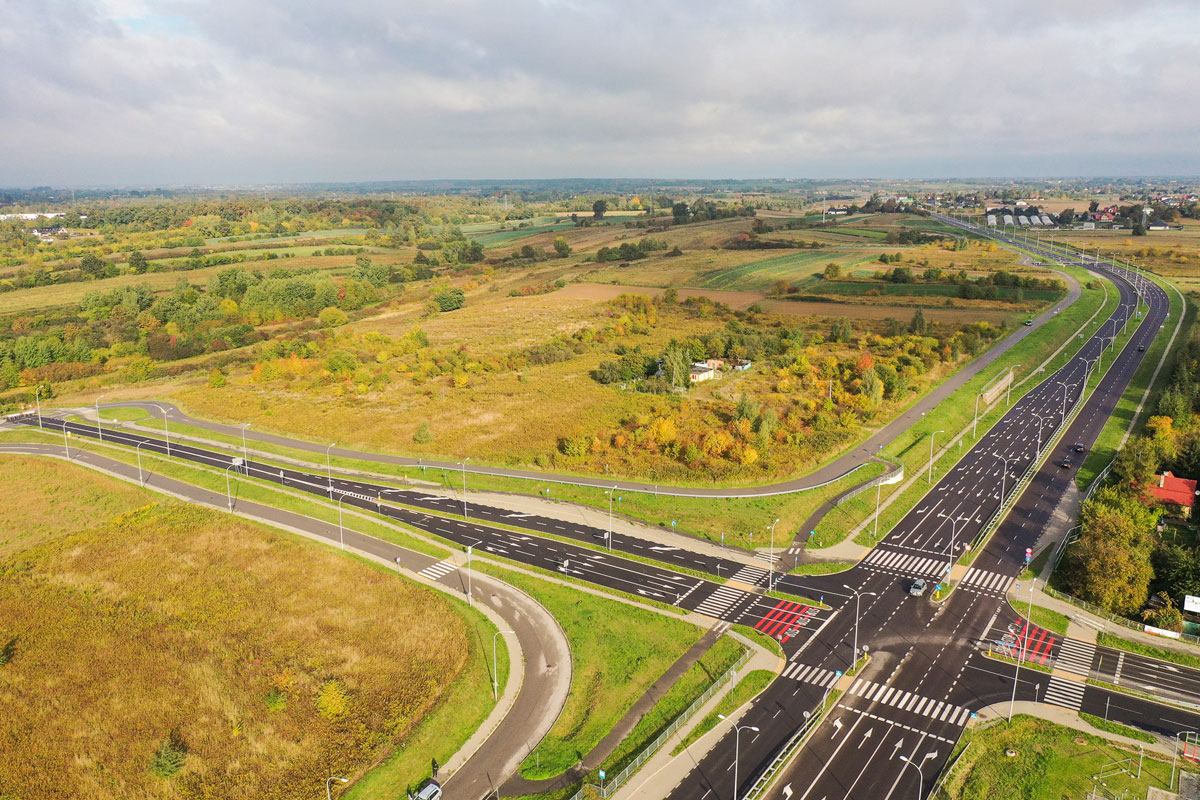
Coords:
pixel 1065 463
pixel 1078 448
pixel 1141 348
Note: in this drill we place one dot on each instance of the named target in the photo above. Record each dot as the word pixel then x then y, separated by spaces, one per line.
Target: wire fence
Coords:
pixel 896 473
pixel 1108 615
pixel 610 785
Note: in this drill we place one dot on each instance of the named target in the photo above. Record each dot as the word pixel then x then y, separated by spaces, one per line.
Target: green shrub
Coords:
pixel 423 435
pixel 169 757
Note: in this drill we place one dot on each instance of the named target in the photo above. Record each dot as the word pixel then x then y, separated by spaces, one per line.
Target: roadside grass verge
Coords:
pixel 747 688
pixel 764 641
pixel 617 651
pixel 1043 617
pixel 243 488
pixel 1051 762
pixel 1105 447
pixel 1024 664
pixel 1119 643
pixel 1100 723
pixel 956 413
pixel 1035 567
pixel 693 683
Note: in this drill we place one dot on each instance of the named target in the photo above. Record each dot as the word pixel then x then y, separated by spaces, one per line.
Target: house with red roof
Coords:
pixel 1178 494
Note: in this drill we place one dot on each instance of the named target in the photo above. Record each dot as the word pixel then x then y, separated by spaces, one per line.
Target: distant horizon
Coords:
pixel 131 93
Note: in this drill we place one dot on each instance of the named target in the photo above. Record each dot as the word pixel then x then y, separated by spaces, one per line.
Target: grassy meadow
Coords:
pixel 159 650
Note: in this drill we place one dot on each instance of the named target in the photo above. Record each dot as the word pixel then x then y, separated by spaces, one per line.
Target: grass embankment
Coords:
pixel 1119 643
pixel 693 683
pixel 1051 762
pixel 242 488
pixel 1034 567
pixel 1042 617
pixel 745 689
pixel 957 412
pixel 768 643
pixel 244 656
pixel 1105 447
pixel 617 650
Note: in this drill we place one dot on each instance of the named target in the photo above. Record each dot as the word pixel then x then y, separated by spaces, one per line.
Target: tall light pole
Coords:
pixel 329 780
pixel 953 538
pixel 138 450
pixel 470 547
pixel 496 667
pixel 67 440
pixel 245 455
pixel 1024 642
pixel 463 464
pixel 1041 422
pixel 237 462
pixel 37 399
pixel 99 430
pixel 341 528
pixel 907 760
pixel 975 425
pixel 737 741
pixel 857 594
pixel 931 437
pixel 329 469
pixel 610 493
pixel 166 430
pixel 1003 474
pixel 878 491
pixel 1064 404
pixel 773 581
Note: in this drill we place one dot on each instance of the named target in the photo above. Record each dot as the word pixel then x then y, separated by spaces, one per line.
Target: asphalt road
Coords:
pixel 929 670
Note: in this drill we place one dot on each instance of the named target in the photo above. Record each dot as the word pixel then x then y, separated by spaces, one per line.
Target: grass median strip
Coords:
pixel 1102 724
pixel 1186 659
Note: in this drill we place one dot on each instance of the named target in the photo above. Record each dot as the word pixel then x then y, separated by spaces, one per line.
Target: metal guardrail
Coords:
pixel 768 775
pixel 896 473
pixel 610 785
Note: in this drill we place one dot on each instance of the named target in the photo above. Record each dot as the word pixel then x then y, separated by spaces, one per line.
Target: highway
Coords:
pixel 928 667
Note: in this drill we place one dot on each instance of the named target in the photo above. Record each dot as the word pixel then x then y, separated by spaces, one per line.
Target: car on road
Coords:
pixel 1028 322
pixel 917 588
pixel 1078 447
pixel 1065 463
pixel 1141 348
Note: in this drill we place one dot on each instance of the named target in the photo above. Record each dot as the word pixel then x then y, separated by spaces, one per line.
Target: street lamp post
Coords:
pixel 463 464
pixel 99 430
pixel 907 760
pixel 496 667
pixel 1003 475
pixel 37 399
pixel 931 438
pixel 1024 642
pixel 953 538
pixel 67 441
pixel 610 492
pixel 737 740
pixel 245 455
pixel 857 594
pixel 470 547
pixel 138 450
pixel 341 529
pixel 1041 422
pixel 329 469
pixel 1064 404
pixel 166 430
pixel 328 781
pixel 237 462
pixel 773 581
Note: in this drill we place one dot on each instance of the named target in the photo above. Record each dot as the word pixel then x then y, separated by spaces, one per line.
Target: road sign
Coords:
pixel 601 774
pixel 1191 604
pixel 1028 554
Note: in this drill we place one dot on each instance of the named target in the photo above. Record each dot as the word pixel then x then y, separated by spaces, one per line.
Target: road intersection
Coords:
pixel 928 670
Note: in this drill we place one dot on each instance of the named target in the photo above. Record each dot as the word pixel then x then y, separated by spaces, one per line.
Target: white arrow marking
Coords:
pixel 787 792
pixel 663 548
pixel 837 724
pixel 895 749
pixel 866 736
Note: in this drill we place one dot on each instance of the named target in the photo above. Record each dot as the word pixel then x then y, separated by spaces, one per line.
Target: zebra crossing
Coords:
pixel 905 563
pixel 982 581
pixel 1075 657
pixel 717 603
pixel 1065 693
pixel 436 571
pixel 807 673
pixel 937 710
pixel 749 574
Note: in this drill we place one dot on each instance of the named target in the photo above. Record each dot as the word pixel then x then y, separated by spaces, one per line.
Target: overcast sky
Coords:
pixel 161 92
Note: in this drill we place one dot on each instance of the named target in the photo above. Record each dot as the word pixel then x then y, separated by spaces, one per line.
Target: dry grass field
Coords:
pixel 148 637
pixel 1175 254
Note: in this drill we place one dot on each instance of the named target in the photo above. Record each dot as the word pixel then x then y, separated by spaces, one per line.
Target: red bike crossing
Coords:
pixel 783 621
pixel 1035 644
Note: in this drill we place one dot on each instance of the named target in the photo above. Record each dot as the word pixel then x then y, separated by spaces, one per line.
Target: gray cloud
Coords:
pixel 175 91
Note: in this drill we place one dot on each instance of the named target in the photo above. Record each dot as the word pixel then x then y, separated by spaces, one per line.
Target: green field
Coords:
pixel 745 689
pixel 1051 762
